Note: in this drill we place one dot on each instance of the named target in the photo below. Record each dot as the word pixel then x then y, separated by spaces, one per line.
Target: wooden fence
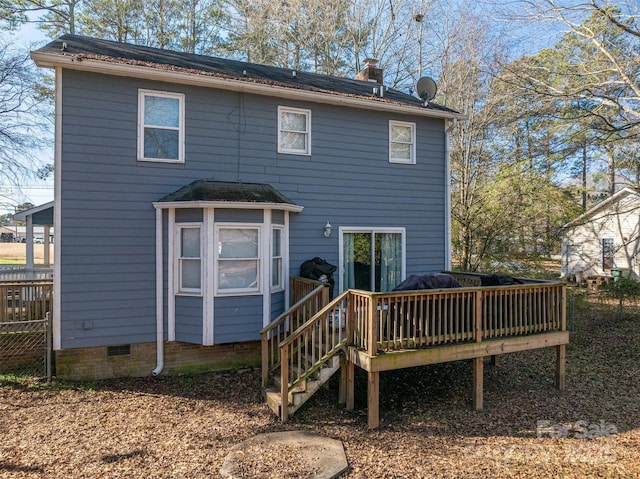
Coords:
pixel 24 300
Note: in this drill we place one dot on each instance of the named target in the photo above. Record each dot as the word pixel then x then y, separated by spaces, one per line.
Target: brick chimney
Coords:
pixel 370 72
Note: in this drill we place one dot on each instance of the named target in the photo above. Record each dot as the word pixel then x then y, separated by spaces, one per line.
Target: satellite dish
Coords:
pixel 426 88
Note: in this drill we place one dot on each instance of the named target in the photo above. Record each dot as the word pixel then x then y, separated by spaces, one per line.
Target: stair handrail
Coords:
pixel 271 337
pixel 335 337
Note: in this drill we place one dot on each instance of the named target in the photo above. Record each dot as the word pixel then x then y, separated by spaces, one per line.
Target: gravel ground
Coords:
pixel 183 427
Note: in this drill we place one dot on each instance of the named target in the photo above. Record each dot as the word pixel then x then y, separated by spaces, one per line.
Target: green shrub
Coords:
pixel 623 290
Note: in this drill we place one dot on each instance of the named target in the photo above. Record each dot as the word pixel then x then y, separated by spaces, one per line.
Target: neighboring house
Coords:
pixel 223 178
pixel 604 238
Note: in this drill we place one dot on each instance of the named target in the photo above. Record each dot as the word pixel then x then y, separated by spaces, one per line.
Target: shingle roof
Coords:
pixel 80 48
pixel 211 190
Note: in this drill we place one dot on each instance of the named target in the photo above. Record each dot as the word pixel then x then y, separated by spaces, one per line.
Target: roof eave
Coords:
pixel 22 216
pixel 51 60
pixel 236 205
pixel 594 209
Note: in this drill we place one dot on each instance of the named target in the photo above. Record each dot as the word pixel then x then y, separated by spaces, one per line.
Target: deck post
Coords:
pixel 372 336
pixel 284 384
pixel 373 400
pixel 478 317
pixel 350 385
pixel 478 373
pixel 342 386
pixel 264 348
pixel 561 359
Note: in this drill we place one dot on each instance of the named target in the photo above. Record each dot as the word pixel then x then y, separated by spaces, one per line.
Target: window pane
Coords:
pixel 238 243
pixel 293 121
pixel 372 261
pixel 401 133
pixel 239 274
pixel 401 151
pixel 388 261
pixel 190 273
pixel 276 270
pixel 190 242
pixel 294 141
pixel 161 111
pixel 160 143
pixel 277 243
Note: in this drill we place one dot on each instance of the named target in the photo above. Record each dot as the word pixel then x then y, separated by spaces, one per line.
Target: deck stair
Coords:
pixel 301 350
pixel 303 391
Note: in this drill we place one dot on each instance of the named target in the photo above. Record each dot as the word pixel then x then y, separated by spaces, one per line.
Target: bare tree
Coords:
pixel 601 65
pixel 24 117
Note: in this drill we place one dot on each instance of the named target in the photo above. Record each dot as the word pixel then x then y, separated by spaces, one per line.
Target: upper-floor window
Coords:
pixel 238 259
pixel 189 256
pixel 160 126
pixel 294 131
pixel 402 142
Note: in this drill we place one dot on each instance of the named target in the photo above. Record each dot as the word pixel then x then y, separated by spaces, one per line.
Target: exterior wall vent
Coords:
pixel 123 350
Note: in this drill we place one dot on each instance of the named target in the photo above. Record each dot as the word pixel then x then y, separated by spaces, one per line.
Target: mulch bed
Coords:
pixel 183 427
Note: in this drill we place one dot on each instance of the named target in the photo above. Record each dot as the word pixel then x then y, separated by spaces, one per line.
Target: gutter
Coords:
pixel 237 205
pixel 449 126
pixel 50 60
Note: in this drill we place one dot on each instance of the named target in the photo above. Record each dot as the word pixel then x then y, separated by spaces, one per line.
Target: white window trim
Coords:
pixel 602 251
pixel 288 151
pixel 412 160
pixel 366 229
pixel 280 287
pixel 180 291
pixel 141 125
pixel 260 260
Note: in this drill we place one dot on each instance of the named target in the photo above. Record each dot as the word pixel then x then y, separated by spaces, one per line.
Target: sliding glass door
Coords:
pixel 372 259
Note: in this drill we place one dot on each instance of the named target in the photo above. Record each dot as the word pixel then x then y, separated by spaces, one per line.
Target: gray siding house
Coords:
pixel 223 178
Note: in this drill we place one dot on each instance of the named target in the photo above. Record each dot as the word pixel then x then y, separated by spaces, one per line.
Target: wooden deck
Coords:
pixel 386 331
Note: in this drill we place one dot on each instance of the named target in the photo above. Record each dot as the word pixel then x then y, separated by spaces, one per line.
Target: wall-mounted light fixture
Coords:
pixel 327 230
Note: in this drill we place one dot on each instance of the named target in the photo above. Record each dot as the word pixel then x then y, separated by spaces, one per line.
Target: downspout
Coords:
pixel 159 298
pixel 449 126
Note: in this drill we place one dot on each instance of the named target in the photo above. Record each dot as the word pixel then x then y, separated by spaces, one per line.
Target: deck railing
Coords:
pixel 309 297
pixel 312 345
pixel 25 300
pixel 414 319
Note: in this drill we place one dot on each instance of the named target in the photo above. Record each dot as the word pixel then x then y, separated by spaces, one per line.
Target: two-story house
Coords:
pixel 223 178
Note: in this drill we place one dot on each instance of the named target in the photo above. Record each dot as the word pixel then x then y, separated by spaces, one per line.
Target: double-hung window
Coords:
pixel 402 142
pixel 238 259
pixel 160 126
pixel 276 259
pixel 189 254
pixel 294 131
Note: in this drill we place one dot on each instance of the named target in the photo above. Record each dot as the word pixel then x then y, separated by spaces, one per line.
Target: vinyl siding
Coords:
pixel 277 304
pixel 189 319
pixel 237 320
pixel 108 221
pixel 582 244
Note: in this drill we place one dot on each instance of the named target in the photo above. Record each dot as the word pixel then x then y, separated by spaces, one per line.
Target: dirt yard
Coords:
pixel 183 427
pixel 16 253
